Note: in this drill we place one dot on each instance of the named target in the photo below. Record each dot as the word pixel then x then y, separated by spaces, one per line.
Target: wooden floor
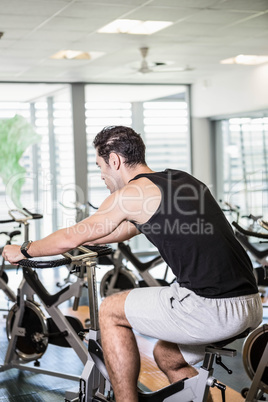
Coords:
pixel 16 386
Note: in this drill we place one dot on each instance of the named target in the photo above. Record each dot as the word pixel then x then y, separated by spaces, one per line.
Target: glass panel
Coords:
pixel 245 144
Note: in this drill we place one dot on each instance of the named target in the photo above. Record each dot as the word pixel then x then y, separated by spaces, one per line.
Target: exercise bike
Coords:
pixel 258 251
pixel 255 348
pixel 22 217
pixel 29 330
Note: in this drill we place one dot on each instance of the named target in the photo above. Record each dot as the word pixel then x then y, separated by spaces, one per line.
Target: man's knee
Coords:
pixel 112 309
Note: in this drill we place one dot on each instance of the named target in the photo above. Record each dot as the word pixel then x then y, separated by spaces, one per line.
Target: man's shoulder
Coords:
pixel 139 199
pixel 137 185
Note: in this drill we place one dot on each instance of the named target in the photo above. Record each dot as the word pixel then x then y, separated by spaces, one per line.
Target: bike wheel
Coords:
pixel 253 349
pixel 33 345
pixel 125 280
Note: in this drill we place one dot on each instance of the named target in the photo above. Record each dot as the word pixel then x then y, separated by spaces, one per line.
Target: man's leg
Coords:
pixel 120 349
pixel 170 360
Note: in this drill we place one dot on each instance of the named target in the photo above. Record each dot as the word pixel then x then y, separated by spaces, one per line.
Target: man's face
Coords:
pixel 108 174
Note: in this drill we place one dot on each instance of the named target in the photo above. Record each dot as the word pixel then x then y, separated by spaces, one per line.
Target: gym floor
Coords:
pixel 21 385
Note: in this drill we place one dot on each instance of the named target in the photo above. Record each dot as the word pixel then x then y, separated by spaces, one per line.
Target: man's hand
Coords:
pixel 12 254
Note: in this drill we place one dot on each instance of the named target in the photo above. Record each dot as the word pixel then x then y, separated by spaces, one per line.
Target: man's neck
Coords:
pixel 130 173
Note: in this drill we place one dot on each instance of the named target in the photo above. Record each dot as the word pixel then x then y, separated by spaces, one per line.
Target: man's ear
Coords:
pixel 115 160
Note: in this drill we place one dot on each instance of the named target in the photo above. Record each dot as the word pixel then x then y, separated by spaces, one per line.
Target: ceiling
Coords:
pixel 203 33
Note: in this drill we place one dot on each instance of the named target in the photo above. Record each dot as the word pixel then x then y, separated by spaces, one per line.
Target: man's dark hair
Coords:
pixel 123 141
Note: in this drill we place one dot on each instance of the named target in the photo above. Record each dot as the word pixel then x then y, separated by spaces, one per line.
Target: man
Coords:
pixel 215 296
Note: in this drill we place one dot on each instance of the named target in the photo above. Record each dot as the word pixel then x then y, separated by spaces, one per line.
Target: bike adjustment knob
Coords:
pixel 218 361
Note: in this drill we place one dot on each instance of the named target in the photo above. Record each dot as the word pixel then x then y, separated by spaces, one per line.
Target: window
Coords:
pixel 245 164
pixel 54 183
pixel 8 110
pixel 63 164
pixel 166 135
pixel 49 164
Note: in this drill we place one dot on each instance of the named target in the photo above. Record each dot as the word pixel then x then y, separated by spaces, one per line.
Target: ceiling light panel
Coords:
pixel 76 55
pixel 250 60
pixel 134 27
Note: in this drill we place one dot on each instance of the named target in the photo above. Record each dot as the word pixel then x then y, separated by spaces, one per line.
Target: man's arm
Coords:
pixel 134 202
pixel 108 217
pixel 125 231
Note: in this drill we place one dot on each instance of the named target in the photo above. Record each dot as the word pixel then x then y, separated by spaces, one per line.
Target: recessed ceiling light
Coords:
pixel 135 27
pixel 250 60
pixel 76 55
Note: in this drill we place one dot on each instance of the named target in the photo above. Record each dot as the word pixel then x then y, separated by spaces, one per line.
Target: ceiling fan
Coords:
pixel 157 67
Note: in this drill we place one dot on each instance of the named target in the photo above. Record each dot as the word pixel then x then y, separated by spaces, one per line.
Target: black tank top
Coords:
pixel 195 239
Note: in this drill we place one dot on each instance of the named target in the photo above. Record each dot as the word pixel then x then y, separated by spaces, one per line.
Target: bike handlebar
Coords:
pixel 87 252
pixel 263 223
pixel 44 264
pixel 249 232
pixel 231 208
pixel 100 250
pixel 25 215
pixel 7 221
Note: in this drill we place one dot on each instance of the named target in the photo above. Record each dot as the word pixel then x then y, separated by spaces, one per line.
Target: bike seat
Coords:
pixel 225 342
pixel 33 214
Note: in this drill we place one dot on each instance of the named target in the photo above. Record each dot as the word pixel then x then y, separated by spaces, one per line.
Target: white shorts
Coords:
pixel 178 315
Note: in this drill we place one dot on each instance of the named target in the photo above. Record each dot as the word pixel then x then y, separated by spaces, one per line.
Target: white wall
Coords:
pixel 245 89
pixel 202 151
